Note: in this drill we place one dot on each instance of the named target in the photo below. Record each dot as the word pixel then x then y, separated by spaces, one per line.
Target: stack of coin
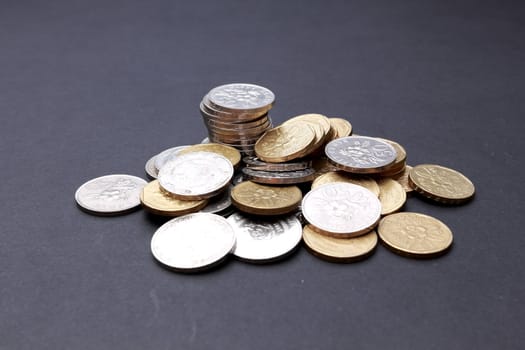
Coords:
pixel 237 114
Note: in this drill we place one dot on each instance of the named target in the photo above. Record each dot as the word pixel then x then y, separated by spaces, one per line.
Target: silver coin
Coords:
pixel 219 203
pixel 341 209
pixel 241 96
pixel 167 155
pixel 193 242
pixel 279 177
pixel 205 140
pixel 151 171
pixel 257 164
pixel 360 154
pixel 196 175
pixel 232 116
pixel 110 194
pixel 267 239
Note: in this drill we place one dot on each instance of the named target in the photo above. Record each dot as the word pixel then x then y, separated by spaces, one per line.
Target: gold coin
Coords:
pixel 399 164
pixel 155 200
pixel 254 198
pixel 230 153
pixel 323 165
pixel 414 235
pixel 341 126
pixel 339 249
pixel 283 143
pixel 441 184
pixel 403 180
pixel 391 195
pixel 319 123
pixel 340 176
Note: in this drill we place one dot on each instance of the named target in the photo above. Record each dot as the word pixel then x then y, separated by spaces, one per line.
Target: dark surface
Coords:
pixel 93 88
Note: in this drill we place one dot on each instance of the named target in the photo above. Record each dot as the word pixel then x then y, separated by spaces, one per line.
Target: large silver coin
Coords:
pixel 196 175
pixel 341 209
pixel 193 242
pixel 360 154
pixel 241 96
pixel 219 203
pixel 110 194
pixel 167 155
pixel 266 239
pixel 151 171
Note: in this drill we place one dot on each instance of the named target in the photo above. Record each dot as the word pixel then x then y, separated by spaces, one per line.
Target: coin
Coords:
pixel 399 164
pixel 232 154
pixel 341 209
pixel 414 234
pixel 260 199
pixel 340 176
pixel 339 249
pixel 241 96
pixel 319 124
pixel 264 239
pixel 156 201
pixel 342 127
pixel 110 194
pixel 193 242
pixel 441 184
pixel 279 177
pixel 219 203
pixel 257 164
pixel 360 154
pixel 167 155
pixel 151 171
pixel 196 175
pixel 284 143
pixel 403 180
pixel 391 195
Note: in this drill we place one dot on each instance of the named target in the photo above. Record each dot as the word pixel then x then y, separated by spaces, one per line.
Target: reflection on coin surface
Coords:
pixel 167 155
pixel 414 234
pixel 339 249
pixel 193 241
pixel 110 194
pixel 241 96
pixel 260 199
pixel 341 209
pixel 219 202
pixel 233 155
pixel 284 143
pixel 340 176
pixel 341 126
pixel 151 171
pixel 264 239
pixel 391 195
pixel 196 175
pixel 158 202
pixel 279 177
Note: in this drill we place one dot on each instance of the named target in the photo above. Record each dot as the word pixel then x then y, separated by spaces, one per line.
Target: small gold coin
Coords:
pixel 403 180
pixel 319 123
pixel 441 184
pixel 414 234
pixel 230 153
pixel 156 201
pixel 341 126
pixel 258 199
pixel 340 176
pixel 391 195
pixel 339 249
pixel 283 143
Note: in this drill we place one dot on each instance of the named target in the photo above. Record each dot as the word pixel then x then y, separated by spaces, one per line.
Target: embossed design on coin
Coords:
pixel 340 176
pixel 259 199
pixel 166 156
pixel 241 96
pixel 110 194
pixel 284 143
pixel 158 202
pixel 414 234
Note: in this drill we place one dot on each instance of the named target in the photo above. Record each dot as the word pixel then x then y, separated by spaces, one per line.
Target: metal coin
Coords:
pixel 196 175
pixel 360 154
pixel 257 164
pixel 414 235
pixel 279 177
pixel 391 195
pixel 240 96
pixel 340 176
pixel 151 171
pixel 226 114
pixel 158 202
pixel 110 194
pixel 319 124
pixel 268 239
pixel 232 154
pixel 167 155
pixel 341 126
pixel 260 199
pixel 219 203
pixel 284 143
pixel 193 242
pixel 341 209
pixel 403 180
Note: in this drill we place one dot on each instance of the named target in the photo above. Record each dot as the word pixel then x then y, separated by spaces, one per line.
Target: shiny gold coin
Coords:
pixel 403 180
pixel 321 126
pixel 391 195
pixel 399 164
pixel 230 153
pixel 414 234
pixel 441 184
pixel 260 199
pixel 339 249
pixel 283 143
pixel 341 126
pixel 156 201
pixel 340 176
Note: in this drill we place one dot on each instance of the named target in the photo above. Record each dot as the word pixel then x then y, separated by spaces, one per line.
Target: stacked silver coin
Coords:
pixel 237 115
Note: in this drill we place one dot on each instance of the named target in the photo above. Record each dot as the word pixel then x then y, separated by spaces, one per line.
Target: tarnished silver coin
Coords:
pixel 193 242
pixel 360 154
pixel 151 171
pixel 241 96
pixel 267 239
pixel 341 209
pixel 279 177
pixel 257 164
pixel 219 203
pixel 167 155
pixel 196 175
pixel 110 194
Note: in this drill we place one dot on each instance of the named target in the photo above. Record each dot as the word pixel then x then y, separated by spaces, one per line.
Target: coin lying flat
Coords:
pixel 414 234
pixel 232 154
pixel 284 143
pixel 441 184
pixel 341 209
pixel 260 199
pixel 279 177
pixel 193 242
pixel 391 195
pixel 340 176
pixel 339 249
pixel 158 202
pixel 241 96
pixel 196 175
pixel 110 194
pixel 264 239
pixel 167 155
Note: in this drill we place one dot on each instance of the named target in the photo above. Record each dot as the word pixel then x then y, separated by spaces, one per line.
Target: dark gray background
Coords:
pixel 89 88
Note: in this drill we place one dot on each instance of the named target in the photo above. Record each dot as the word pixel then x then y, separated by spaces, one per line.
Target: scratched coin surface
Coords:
pixel 341 176
pixel 166 156
pixel 284 143
pixel 360 154
pixel 341 209
pixel 260 199
pixel 196 175
pixel 158 202
pixel 264 239
pixel 391 195
pixel 414 234
pixel 110 194
pixel 241 96
pixel 441 184
pixel 193 242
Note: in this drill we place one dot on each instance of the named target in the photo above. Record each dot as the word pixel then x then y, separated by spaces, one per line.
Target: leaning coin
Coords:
pixel 391 195
pixel 259 199
pixel 167 155
pixel 158 202
pixel 342 127
pixel 340 176
pixel 110 194
pixel 233 155
pixel 284 143
pixel 403 180
pixel 279 177
pixel 341 209
pixel 151 171
pixel 414 235
pixel 193 242
pixel 264 239
pixel 339 249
